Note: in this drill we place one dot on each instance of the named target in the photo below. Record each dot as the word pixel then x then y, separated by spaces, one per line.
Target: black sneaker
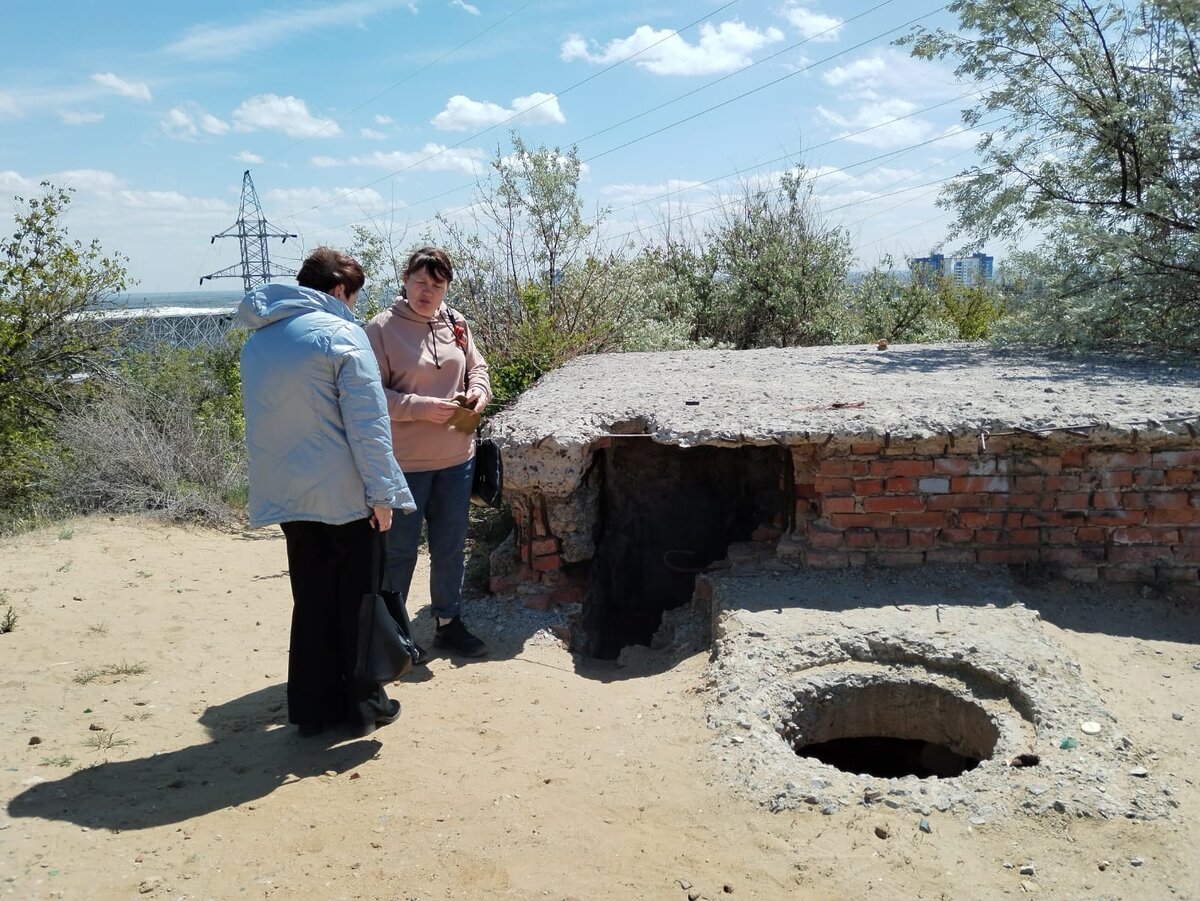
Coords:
pixel 454 636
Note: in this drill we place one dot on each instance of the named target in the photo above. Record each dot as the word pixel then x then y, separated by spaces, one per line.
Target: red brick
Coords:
pixel 541 600
pixel 830 468
pixel 1058 536
pixel 863 487
pixel 951 466
pixel 892 538
pixel 826 538
pixel 1009 556
pixel 1120 479
pixel 1145 535
pixel 548 562
pixel 1107 500
pixel 1173 517
pixel 887 468
pixel 865 449
pixel 1023 536
pixel 988 536
pixel 1171 459
pixel 860 538
pixel 1073 458
pixel 1167 500
pixel 1186 554
pixel 834 486
pixel 1047 465
pixel 1189 536
pixel 927 538
pixel 1064 556
pixel 1014 501
pixel 945 555
pixel 524 553
pixel 1112 461
pixel 1180 477
pixel 965 484
pixel 900 486
pixel 892 504
pixel 838 505
pixel 956 536
pixel 1091 535
pixel 544 546
pixel 956 502
pixel 921 520
pixel 985 466
pixel 806 489
pixel 1029 484
pixel 1148 478
pixel 1062 484
pixel 860 520
pixel 1116 518
pixel 973 520
pixel 1137 553
pixel 1072 501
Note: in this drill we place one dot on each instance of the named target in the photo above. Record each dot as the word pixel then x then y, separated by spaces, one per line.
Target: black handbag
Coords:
pixel 386 650
pixel 487 486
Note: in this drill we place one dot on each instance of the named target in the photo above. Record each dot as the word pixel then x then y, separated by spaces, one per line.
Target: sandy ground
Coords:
pixel 144 754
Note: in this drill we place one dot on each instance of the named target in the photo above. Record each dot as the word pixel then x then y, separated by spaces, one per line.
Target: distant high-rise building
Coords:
pixel 973 270
pixel 927 269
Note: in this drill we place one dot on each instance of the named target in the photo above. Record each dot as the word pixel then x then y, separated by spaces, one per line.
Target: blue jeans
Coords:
pixel 442 496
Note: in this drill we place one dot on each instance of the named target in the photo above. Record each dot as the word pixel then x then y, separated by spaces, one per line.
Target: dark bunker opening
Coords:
pixel 665 514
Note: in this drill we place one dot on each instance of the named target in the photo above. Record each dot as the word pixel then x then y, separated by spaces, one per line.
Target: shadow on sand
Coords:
pixel 248 757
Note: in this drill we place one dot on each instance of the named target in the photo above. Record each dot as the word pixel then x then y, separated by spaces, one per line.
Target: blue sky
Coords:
pixel 387 112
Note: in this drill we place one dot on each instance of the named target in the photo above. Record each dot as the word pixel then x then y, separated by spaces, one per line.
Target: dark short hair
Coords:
pixel 327 268
pixel 433 260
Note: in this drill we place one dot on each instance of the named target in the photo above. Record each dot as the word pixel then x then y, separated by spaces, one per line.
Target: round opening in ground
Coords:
pixel 891 730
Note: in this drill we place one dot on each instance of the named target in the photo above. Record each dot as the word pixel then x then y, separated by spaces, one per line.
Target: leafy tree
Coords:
pixel 770 273
pixel 532 273
pixel 379 251
pixel 50 332
pixel 1097 154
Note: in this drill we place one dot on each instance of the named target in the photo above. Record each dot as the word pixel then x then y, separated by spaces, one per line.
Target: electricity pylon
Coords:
pixel 252 230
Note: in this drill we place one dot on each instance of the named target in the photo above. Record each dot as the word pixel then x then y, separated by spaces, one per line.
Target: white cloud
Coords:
pixel 290 115
pixel 222 41
pixel 72 117
pixel 245 156
pixel 430 158
pixel 8 105
pixel 809 23
pixel 370 134
pixel 325 162
pixel 136 90
pixel 876 113
pixel 888 71
pixel 15 183
pixel 723 48
pixel 184 122
pixel 353 200
pixel 465 7
pixel 90 180
pixel 630 192
pixel 381 119
pixel 464 114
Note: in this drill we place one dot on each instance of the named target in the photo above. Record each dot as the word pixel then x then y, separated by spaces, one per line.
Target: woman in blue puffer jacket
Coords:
pixel 319 445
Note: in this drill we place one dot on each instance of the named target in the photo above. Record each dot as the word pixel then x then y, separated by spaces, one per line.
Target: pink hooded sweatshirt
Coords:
pixel 420 362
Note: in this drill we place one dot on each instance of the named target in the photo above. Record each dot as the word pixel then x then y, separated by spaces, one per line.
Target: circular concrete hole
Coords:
pixel 891 729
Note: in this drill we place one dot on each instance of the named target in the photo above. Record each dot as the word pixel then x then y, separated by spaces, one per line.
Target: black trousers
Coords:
pixel 330 571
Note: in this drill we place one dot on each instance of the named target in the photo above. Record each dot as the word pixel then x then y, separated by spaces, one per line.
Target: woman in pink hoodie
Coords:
pixel 426 356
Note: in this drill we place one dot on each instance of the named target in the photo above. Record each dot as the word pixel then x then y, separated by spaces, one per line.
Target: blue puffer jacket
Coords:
pixel 318 437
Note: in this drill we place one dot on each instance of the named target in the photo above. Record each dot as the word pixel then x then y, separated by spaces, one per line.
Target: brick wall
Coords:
pixel 1085 513
pixel 1078 510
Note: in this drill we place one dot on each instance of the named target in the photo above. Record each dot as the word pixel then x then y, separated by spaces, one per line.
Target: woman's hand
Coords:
pixel 434 409
pixel 381 518
pixel 477 399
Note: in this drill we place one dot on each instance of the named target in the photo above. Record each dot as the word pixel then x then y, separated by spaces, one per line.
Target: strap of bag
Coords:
pixel 377 561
